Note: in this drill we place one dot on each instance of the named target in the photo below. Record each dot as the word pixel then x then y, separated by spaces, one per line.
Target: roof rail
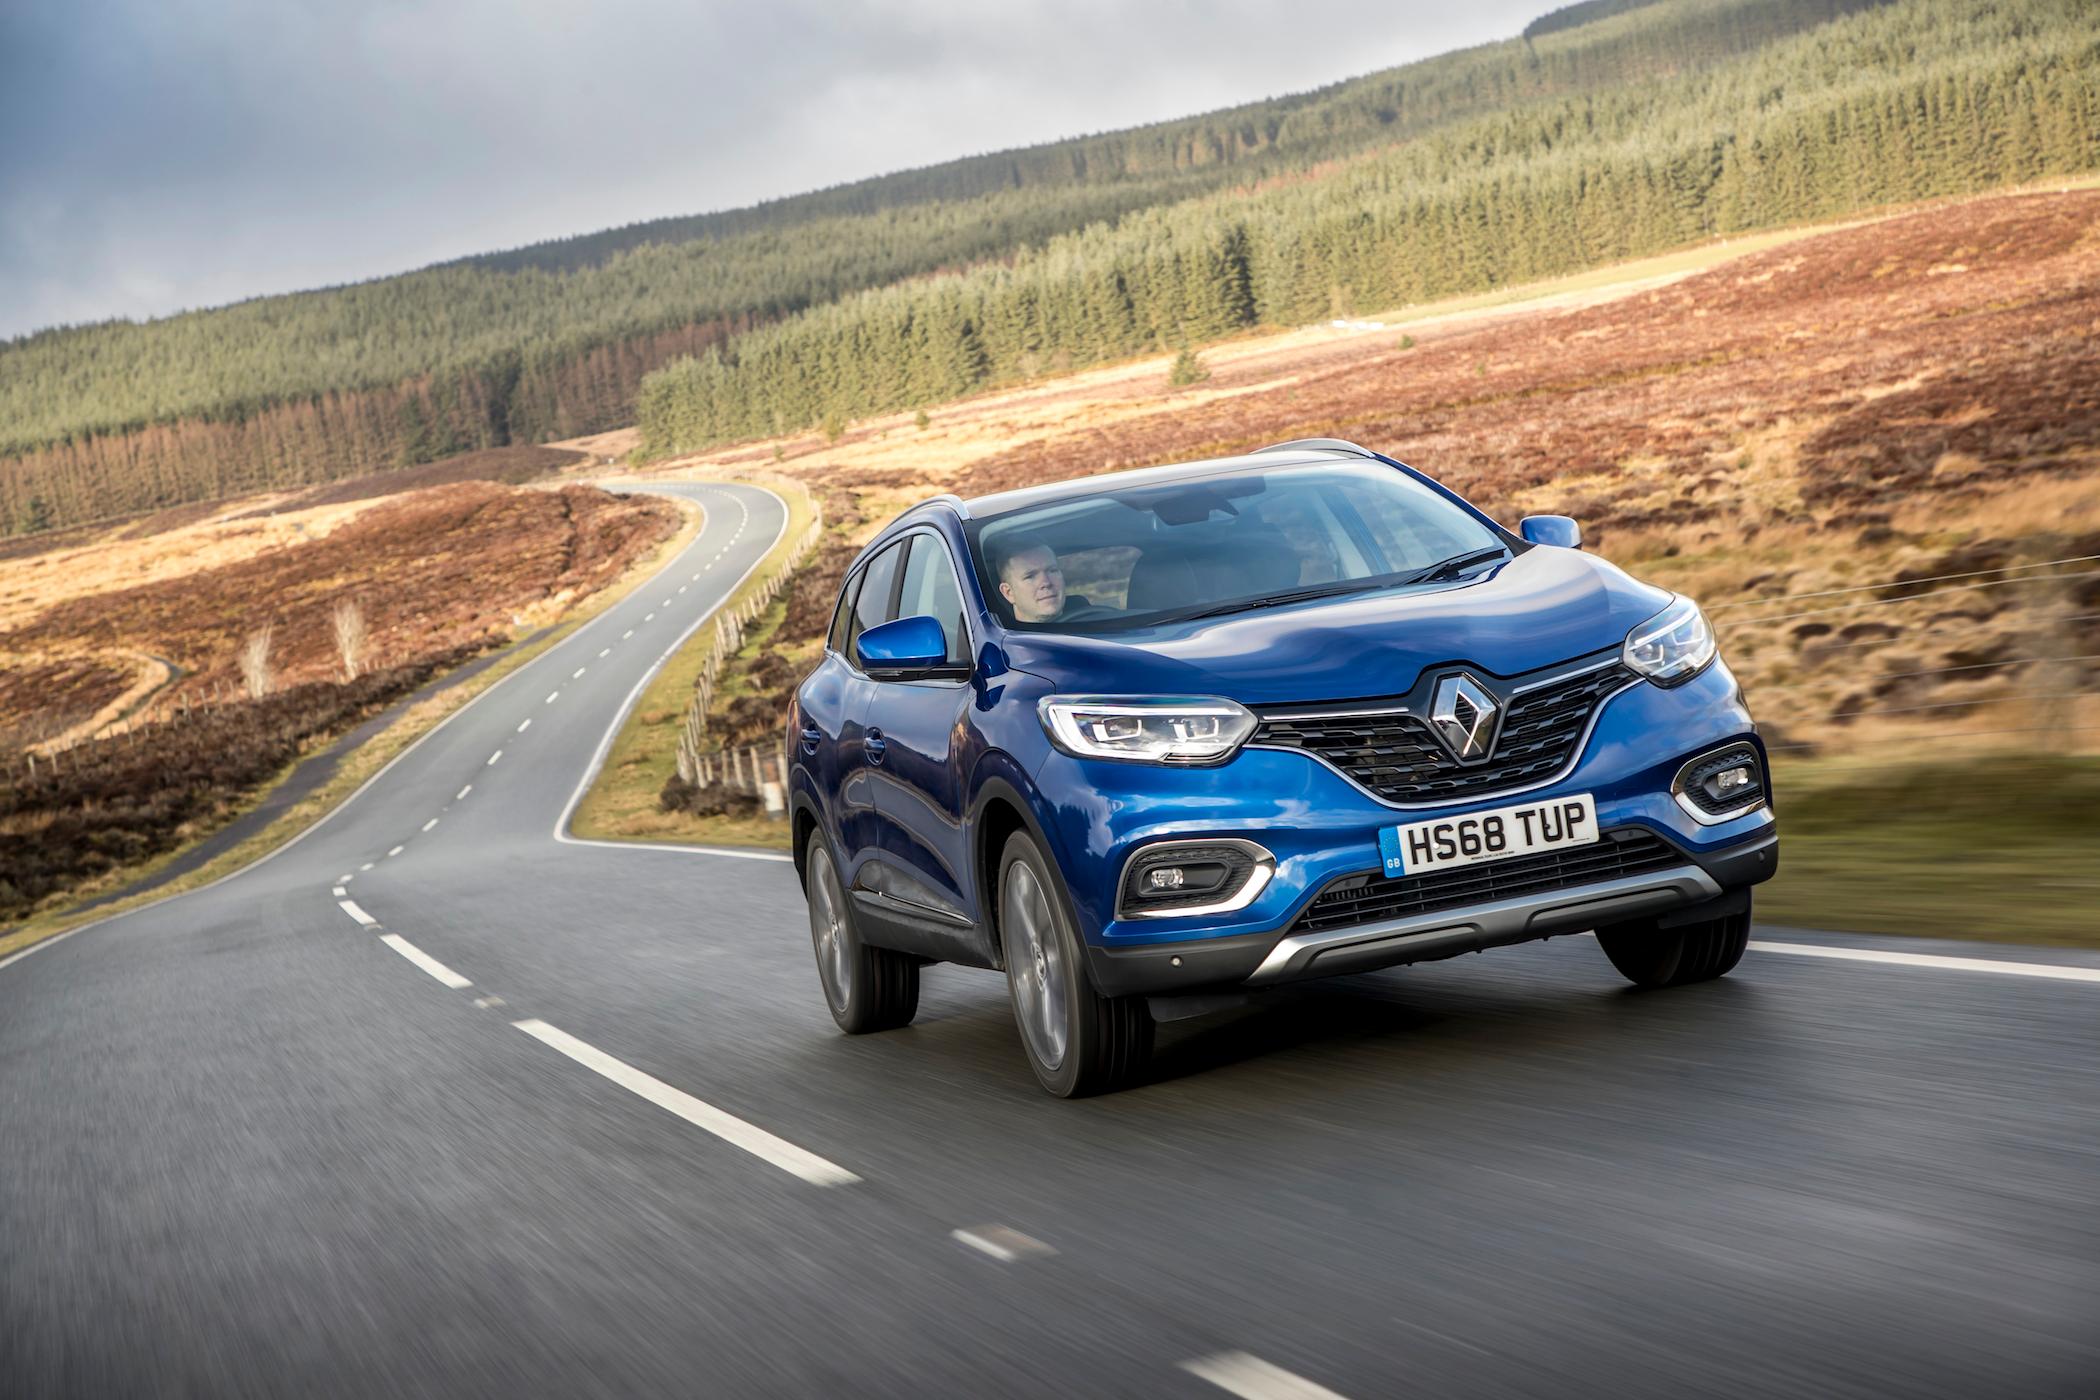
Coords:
pixel 1317 444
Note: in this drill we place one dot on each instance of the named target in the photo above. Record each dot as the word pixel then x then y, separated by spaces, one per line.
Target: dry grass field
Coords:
pixel 1903 399
pixel 1806 432
pixel 128 724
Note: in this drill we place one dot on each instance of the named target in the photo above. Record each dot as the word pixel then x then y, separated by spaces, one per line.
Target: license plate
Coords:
pixel 1528 827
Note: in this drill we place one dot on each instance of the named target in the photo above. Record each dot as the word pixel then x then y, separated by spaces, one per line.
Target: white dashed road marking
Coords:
pixel 395 852
pixel 350 908
pixel 650 617
pixel 705 1116
pixel 552 696
pixel 339 891
pixel 1003 1244
pixel 366 866
pixel 461 796
pixel 523 725
pixel 2055 971
pixel 578 673
pixel 608 651
pixel 493 757
pixel 1252 1378
pixel 429 824
pixel 628 633
pixel 423 960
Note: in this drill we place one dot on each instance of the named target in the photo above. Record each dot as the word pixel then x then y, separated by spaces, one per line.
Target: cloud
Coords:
pixel 164 154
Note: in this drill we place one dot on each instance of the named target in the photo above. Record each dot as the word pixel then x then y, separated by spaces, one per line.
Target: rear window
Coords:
pixel 1133 557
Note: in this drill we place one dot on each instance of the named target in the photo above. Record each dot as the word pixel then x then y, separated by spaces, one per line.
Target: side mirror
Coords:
pixel 908 649
pixel 1556 530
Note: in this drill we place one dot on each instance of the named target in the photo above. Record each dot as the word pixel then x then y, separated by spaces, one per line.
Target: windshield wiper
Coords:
pixel 1296 595
pixel 1454 566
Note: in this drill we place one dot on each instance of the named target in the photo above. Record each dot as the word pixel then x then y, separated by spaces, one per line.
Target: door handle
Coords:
pixel 873 745
pixel 810 739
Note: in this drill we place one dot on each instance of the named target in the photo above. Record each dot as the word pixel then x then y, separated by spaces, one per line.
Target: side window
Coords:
pixel 930 591
pixel 841 616
pixel 872 607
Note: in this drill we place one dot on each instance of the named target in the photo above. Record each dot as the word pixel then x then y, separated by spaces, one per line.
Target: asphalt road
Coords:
pixel 249 1147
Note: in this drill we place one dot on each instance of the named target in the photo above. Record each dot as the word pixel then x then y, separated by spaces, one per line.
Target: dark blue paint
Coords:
pixel 945 741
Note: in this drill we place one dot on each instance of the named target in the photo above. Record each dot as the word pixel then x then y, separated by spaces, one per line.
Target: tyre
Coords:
pixel 1648 956
pixel 1078 1042
pixel 867 989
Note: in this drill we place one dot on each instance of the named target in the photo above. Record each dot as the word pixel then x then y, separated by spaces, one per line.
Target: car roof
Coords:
pixel 1290 454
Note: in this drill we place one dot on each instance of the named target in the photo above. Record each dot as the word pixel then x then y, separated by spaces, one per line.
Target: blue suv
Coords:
pixel 1141 739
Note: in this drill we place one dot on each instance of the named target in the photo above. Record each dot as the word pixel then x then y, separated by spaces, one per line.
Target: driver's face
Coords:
pixel 1035 585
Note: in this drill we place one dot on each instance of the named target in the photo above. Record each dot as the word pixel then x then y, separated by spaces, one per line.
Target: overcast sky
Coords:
pixel 163 154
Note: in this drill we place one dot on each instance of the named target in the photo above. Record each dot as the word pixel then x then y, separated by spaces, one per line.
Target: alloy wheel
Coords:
pixel 1037 962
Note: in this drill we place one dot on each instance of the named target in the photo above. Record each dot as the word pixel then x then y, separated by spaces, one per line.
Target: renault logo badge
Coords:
pixel 1464 715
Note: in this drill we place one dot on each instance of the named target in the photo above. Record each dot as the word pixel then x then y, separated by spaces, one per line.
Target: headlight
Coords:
pixel 1146 729
pixel 1672 646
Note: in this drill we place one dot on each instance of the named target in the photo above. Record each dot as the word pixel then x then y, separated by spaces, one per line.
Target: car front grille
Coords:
pixel 1362 899
pixel 1394 754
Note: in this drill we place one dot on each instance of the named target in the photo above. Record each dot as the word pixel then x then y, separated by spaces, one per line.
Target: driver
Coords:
pixel 1031 579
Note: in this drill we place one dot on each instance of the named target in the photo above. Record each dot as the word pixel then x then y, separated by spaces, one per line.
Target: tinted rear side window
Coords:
pixel 872 607
pixel 841 616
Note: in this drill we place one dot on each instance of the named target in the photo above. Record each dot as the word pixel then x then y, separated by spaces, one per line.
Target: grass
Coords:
pixel 621 804
pixel 2005 849
pixel 356 768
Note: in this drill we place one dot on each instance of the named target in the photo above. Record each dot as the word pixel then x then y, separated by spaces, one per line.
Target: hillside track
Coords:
pixel 435 1103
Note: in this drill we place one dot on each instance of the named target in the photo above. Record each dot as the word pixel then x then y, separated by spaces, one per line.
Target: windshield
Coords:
pixel 1218 544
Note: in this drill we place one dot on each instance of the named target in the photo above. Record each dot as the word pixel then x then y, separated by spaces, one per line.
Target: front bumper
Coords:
pixel 1322 829
pixel 1700 886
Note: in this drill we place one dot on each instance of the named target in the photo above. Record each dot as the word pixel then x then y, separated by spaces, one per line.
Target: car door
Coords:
pixel 835 739
pixel 919 779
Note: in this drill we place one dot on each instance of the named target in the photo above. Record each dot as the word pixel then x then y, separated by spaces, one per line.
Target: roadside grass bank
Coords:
pixel 624 802
pixel 2004 849
pixel 355 769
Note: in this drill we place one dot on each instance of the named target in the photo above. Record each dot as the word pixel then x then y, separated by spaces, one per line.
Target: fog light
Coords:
pixel 1187 875
pixel 1722 785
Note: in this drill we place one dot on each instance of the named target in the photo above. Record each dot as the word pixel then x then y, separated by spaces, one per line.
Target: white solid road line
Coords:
pixel 2053 971
pixel 1002 1242
pixel 429 824
pixel 423 960
pixel 1252 1378
pixel 619 716
pixel 705 1116
pixel 350 908
pixel 727 852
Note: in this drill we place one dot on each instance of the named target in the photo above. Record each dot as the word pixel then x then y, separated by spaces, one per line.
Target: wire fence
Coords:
pixel 744 769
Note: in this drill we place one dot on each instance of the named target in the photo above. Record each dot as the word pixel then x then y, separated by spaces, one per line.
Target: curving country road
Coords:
pixel 433 1102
